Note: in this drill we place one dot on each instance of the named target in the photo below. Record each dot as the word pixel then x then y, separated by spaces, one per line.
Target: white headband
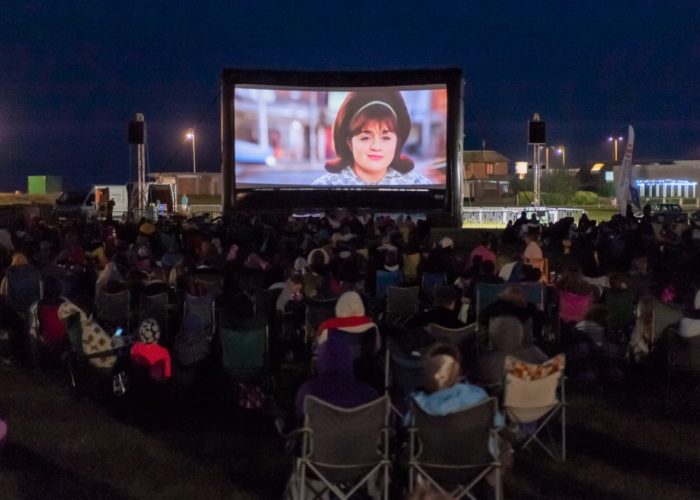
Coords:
pixel 372 103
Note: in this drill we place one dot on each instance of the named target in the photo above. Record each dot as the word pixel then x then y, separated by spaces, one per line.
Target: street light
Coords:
pixel 190 137
pixel 615 140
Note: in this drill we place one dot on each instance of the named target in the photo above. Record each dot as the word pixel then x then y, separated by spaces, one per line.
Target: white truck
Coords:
pixel 93 203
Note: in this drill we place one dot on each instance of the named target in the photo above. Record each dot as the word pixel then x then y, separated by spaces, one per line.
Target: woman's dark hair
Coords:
pixel 358 108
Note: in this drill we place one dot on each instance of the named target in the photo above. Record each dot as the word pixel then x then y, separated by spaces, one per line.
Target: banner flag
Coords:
pixel 624 188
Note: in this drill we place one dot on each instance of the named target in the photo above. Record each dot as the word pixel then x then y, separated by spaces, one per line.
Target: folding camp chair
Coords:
pixel 210 283
pixel 401 303
pixel 534 396
pixel 404 375
pixel 343 450
pixel 318 311
pixel 454 452
pixel 663 316
pixel 410 267
pixel 430 281
pixel 78 361
pixel 203 307
pixel 683 373
pixel 486 294
pixel 244 352
pixel 384 280
pixel 114 309
pixel 465 338
pixel 156 307
pixel 620 304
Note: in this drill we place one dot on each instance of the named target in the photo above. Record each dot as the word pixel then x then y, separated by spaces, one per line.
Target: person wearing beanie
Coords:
pixel 336 382
pixel 369 132
pixel 146 352
pixel 350 317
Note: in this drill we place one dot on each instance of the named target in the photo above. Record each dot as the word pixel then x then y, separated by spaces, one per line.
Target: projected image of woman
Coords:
pixel 369 132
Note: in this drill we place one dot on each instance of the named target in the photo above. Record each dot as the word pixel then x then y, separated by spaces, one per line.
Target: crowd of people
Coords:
pixel 53 276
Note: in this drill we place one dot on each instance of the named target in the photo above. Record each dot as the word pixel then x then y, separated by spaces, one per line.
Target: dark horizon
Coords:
pixel 75 76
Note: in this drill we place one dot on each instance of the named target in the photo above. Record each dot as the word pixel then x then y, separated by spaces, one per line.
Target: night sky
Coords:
pixel 73 73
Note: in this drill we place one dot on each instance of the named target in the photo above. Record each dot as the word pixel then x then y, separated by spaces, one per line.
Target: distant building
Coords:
pixel 659 179
pixel 190 183
pixel 487 177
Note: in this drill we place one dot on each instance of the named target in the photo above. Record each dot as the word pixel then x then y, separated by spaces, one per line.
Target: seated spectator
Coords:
pixel 147 353
pixel 642 333
pixel 572 281
pixel 336 382
pixel 512 302
pixel 483 250
pixel 46 329
pixel 445 392
pixel 486 274
pixel 110 272
pixel 591 356
pixel 506 335
pixel 293 290
pixel 532 248
pixel 443 312
pixel 350 317
pixel 511 272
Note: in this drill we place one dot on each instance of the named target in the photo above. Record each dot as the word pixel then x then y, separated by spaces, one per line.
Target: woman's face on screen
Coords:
pixel 373 149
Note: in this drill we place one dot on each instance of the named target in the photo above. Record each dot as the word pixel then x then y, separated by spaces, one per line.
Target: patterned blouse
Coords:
pixel 347 177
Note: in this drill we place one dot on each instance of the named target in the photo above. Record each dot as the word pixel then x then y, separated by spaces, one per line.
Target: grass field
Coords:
pixel 622 444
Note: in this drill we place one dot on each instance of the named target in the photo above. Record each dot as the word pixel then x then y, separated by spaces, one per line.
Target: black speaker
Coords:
pixel 136 132
pixel 536 133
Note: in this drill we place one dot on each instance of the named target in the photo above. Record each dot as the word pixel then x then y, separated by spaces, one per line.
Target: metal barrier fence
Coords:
pixel 10 214
pixel 497 217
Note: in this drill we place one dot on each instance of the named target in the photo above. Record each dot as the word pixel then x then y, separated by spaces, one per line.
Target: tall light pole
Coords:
pixel 190 137
pixel 615 140
pixel 562 151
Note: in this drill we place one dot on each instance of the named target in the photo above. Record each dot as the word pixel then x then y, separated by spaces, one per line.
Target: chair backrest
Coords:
pixel 684 355
pixel 410 266
pixel 319 310
pixel 458 439
pixel 430 281
pixel 113 308
pixel 201 306
pixel 156 307
pixel 75 333
pixel 244 351
pixel 621 307
pixel 451 335
pixel 406 372
pixel 663 316
pixel 486 294
pixel 401 302
pixel 384 280
pixel 573 307
pixel 531 389
pixel 212 284
pixel 345 442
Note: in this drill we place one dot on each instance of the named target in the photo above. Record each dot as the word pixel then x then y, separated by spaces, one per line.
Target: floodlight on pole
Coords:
pixel 190 137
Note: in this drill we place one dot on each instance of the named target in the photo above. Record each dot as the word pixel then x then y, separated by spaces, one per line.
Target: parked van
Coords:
pixel 93 203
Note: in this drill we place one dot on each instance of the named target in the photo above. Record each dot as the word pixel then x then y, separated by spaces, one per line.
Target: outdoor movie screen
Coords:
pixel 363 137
